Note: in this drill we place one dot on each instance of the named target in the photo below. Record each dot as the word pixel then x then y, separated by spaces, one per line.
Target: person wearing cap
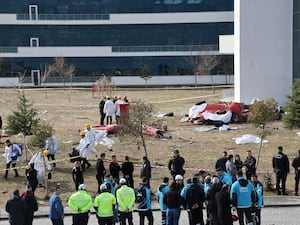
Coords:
pixel 51 146
pixel 56 209
pixel 296 166
pixel 144 207
pixel 15 207
pixel 104 205
pixel 31 206
pixel 12 152
pixel 91 135
pixel 109 110
pixel 84 150
pixel 281 166
pixel 80 203
pixel 179 183
pixel 176 164
pixel 161 191
pixel 118 111
pixel 125 199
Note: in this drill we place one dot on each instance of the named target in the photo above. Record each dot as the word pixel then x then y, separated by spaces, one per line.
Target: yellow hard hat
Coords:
pixel 82 133
pixel 87 126
pixel 119 97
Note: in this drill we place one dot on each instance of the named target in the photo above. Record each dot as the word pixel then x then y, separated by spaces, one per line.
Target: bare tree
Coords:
pixel 146 74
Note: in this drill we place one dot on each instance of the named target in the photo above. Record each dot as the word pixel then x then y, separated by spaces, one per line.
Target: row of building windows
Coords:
pixel 115 6
pixel 114 35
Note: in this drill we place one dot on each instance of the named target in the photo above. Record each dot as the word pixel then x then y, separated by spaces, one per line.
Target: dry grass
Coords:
pixel 200 149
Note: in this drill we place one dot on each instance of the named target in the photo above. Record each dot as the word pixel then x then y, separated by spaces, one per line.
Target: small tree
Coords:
pixel 22 120
pixel 261 113
pixel 146 74
pixel 139 117
pixel 292 117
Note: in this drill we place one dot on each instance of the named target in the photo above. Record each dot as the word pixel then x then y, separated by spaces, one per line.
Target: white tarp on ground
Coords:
pixel 248 138
pixel 102 139
pixel 225 118
pixel 196 109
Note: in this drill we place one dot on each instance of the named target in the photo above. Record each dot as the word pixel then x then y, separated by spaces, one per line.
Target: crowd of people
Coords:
pixel 233 192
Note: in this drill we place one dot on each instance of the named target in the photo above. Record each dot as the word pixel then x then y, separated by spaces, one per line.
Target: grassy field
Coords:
pixel 69 111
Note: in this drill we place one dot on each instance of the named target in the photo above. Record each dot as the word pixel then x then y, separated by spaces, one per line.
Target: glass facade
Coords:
pixel 296 40
pixel 123 38
pixel 114 6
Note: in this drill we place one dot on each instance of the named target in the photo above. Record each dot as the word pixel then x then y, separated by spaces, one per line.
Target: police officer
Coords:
pixel 281 166
pixel 80 202
pixel 296 165
pixel 125 200
pixel 104 205
pixel 176 164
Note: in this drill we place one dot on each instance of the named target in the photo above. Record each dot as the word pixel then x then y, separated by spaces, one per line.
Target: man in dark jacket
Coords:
pixel 127 170
pixel 250 164
pixel 101 108
pixel 221 162
pixel 114 169
pixel 31 206
pixel 146 169
pixel 296 165
pixel 31 176
pixel 281 166
pixel 15 207
pixel 100 170
pixel 194 199
pixel 223 203
pixel 176 164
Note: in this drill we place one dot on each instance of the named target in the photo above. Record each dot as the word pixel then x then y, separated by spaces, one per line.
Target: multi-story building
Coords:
pixel 114 37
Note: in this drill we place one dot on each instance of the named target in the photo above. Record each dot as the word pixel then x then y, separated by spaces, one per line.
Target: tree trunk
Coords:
pixel 143 140
pixel 259 149
pixel 212 83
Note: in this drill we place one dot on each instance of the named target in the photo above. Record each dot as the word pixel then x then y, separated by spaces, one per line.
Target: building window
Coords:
pixel 33 12
pixel 34 42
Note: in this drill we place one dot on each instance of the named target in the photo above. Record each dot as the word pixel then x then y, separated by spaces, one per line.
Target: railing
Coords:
pixel 8 49
pixel 65 17
pixel 165 48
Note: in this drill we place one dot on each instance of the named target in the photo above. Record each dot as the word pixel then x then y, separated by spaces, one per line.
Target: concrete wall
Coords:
pixel 263 49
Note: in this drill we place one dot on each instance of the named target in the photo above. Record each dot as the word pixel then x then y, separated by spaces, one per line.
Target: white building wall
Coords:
pixel 263 49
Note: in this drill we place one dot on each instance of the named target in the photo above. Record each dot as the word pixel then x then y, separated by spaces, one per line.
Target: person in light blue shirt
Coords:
pixel 224 177
pixel 161 191
pixel 243 197
pixel 56 212
pixel 258 186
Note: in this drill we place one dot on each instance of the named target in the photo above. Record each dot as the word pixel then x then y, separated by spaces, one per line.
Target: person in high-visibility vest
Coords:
pixel 104 205
pixel 125 200
pixel 80 202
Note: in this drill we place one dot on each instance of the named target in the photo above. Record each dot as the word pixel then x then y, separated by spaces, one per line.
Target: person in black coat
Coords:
pixel 31 176
pixel 296 166
pixel 114 169
pixel 127 170
pixel 15 207
pixel 194 199
pixel 220 163
pixel 31 206
pixel 281 166
pixel 102 114
pixel 77 175
pixel 223 202
pixel 211 201
pixel 176 164
pixel 101 171
pixel 146 169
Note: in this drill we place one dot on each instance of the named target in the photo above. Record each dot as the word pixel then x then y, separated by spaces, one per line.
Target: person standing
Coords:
pixel 101 111
pixel 80 203
pixel 118 110
pixel 281 166
pixel 161 191
pixel 258 187
pixel 231 167
pixel 15 207
pixel 250 164
pixel 91 135
pixel 84 150
pixel 12 152
pixel 114 169
pixel 101 171
pixel 176 164
pixel 173 201
pixel 243 198
pixel 31 176
pixel 56 209
pixel 221 162
pixel 296 166
pixel 238 162
pixel 51 146
pixel 127 170
pixel 143 202
pixel 195 198
pixel 104 205
pixel 125 199
pixel 31 206
pixel 77 175
pixel 146 169
pixel 223 202
pixel 109 110
pixel 224 177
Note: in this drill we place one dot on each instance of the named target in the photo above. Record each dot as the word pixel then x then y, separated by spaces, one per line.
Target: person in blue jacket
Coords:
pixel 258 187
pixel 224 177
pixel 56 212
pixel 243 197
pixel 161 191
